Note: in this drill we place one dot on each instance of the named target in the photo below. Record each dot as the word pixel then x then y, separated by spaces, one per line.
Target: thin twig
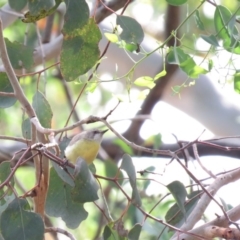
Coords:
pixel 14 169
pixel 195 151
pixel 59 230
pixel 17 139
pixel 7 94
pixel 12 77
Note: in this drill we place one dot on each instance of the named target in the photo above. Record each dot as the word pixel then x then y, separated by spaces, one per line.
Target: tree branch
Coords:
pixel 12 77
pixel 204 201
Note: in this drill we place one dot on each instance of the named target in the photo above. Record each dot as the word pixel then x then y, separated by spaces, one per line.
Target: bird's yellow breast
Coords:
pixel 86 149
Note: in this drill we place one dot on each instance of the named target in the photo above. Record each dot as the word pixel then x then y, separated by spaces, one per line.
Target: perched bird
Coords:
pixel 84 145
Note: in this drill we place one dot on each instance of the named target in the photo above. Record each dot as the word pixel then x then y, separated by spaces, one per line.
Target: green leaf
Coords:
pixel 20 56
pixel 177 89
pixel 77 15
pixel 236 80
pixel 9 196
pixel 111 170
pixel 231 26
pixel 145 81
pixel 176 2
pixel 111 37
pixel 157 141
pixel 109 233
pixel 114 231
pixel 26 129
pixel 80 50
pixel 198 21
pixel 185 62
pixel 134 233
pixel 221 19
pixel 17 222
pixel 159 75
pixel 187 65
pixel 132 30
pixel 86 188
pixel 210 64
pixel 17 5
pixel 5 86
pixel 91 86
pixel 38 6
pixel 226 30
pixel 60 203
pixel 179 193
pixel 177 56
pixel 132 47
pixel 60 171
pixel 128 167
pixel 196 71
pixel 126 148
pixel 39 9
pixel 6 200
pixel 5 170
pixel 64 174
pixel 1 237
pixel 211 40
pixel 175 217
pixel 42 109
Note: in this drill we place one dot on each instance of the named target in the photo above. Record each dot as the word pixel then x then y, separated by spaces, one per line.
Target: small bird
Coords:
pixel 84 145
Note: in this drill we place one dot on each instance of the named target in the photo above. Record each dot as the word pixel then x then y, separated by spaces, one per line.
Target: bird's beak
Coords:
pixel 104 131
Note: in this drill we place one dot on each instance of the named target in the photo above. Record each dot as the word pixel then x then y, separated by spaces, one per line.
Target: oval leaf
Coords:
pixel 175 217
pixel 80 50
pixel 26 128
pixel 17 222
pixel 60 171
pixel 159 75
pixel 5 170
pixel 42 109
pixel 20 56
pixel 131 30
pixel 110 233
pixel 128 167
pixel 17 5
pixel 5 86
pixel 72 213
pixel 111 37
pixel 145 81
pixel 196 71
pixel 86 188
pixel 77 15
pixel 177 56
pixel 179 193
pixel 40 9
pixel 211 40
pixel 198 21
pixel 186 63
pixel 134 233
pixel 226 29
